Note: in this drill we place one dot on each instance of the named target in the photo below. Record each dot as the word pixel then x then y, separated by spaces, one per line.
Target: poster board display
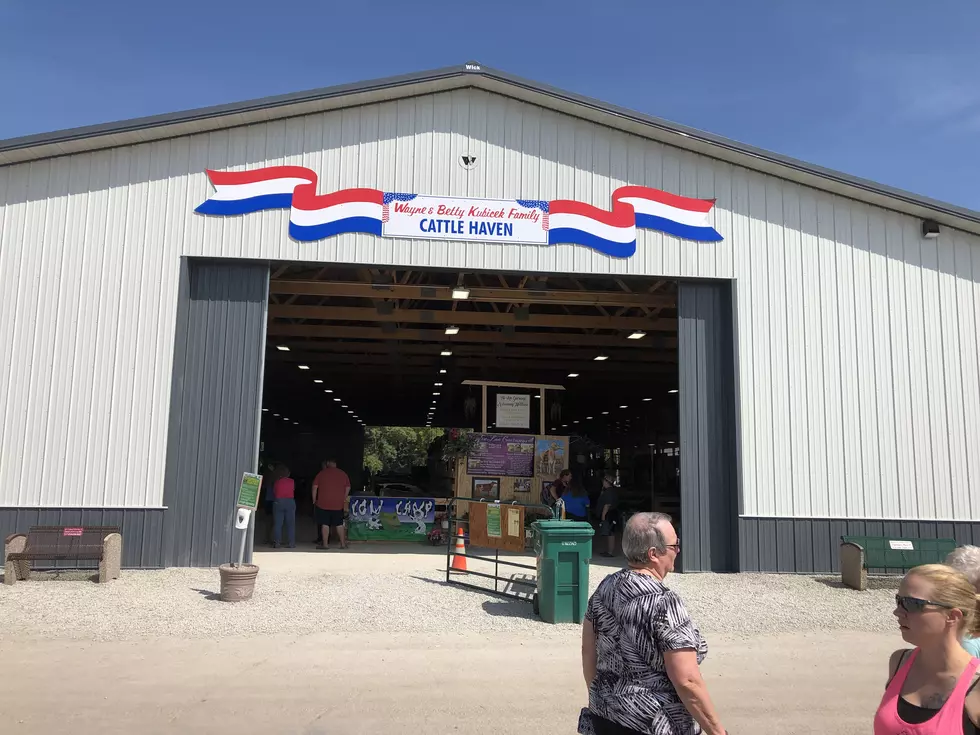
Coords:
pixel 497 526
pixel 513 411
pixel 525 490
pixel 506 455
pixel 390 519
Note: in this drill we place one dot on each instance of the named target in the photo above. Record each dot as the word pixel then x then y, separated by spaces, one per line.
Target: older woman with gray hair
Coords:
pixel 966 559
pixel 640 650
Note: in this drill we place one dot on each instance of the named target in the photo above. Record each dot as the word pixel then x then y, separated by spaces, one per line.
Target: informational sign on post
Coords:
pixel 493 521
pixel 247 501
pixel 249 490
pixel 513 411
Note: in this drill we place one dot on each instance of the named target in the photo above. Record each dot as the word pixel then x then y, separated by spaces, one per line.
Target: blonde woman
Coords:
pixel 966 559
pixel 932 688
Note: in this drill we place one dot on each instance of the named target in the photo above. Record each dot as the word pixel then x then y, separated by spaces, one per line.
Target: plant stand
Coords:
pixel 237 581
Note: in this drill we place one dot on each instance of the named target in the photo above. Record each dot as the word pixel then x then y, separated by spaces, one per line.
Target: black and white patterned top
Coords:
pixel 636 618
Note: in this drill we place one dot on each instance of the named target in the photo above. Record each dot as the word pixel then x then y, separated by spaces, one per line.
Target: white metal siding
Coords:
pixel 859 387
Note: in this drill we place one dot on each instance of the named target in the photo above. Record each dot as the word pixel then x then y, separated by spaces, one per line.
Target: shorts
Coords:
pixel 331 518
pixel 607 527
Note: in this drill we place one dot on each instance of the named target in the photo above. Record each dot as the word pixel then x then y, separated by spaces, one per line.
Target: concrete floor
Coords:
pixel 379 684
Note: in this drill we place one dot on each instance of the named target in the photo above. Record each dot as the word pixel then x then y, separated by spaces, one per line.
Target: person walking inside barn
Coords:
pixel 284 509
pixel 331 488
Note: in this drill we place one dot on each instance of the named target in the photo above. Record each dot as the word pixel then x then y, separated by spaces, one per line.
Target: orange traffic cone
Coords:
pixel 459 558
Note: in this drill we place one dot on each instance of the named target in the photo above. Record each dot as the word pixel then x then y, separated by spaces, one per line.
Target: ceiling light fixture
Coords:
pixel 461 292
pixel 624 406
pixel 276 415
pixel 282 348
pixel 337 400
pixel 437 385
pixel 442 371
pixel 674 390
pixel 303 367
pixel 328 391
pixel 436 393
pixel 638 334
pixel 605 413
pixel 647 399
pixel 452 330
pixel 265 409
pixel 317 380
pixel 600 358
pixel 446 353
pixel 573 375
pixel 588 418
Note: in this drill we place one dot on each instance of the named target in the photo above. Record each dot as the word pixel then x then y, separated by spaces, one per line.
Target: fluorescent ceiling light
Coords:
pixel 600 358
pixel 647 399
pixel 317 380
pixel 452 330
pixel 605 413
pixel 343 405
pixel 573 375
pixel 461 292
pixel 437 393
pixel 304 367
pixel 624 406
pixel 638 334
pixel 437 385
pixel 284 418
pixel 673 391
pixel 588 418
pixel 337 400
pixel 442 371
pixel 670 442
pixel 575 421
pixel 296 423
pixel 328 391
pixel 350 412
pixel 265 409
pixel 446 353
pixel 282 348
pixel 276 415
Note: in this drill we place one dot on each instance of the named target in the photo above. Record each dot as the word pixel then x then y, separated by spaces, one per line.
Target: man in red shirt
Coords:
pixel 331 488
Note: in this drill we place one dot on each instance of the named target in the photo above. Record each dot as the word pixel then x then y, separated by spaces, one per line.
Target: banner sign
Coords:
pixel 505 455
pixel 390 519
pixel 315 216
pixel 513 411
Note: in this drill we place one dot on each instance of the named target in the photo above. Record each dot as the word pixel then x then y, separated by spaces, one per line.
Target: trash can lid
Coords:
pixel 556 527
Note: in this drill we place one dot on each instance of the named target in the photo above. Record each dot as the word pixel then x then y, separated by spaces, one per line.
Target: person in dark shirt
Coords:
pixel 608 514
pixel 560 486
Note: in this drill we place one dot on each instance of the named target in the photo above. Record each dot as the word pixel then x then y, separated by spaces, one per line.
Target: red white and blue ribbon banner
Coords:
pixel 315 216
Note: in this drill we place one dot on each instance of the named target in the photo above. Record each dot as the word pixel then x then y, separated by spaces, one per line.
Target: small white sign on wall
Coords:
pixel 513 411
pixel 901 546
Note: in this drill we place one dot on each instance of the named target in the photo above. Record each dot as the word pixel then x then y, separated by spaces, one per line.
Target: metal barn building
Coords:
pixel 826 346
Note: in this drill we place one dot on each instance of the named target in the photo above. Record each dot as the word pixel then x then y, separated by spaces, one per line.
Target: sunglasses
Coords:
pixel 917 604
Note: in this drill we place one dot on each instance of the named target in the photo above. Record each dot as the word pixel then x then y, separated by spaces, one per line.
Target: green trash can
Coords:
pixel 563 550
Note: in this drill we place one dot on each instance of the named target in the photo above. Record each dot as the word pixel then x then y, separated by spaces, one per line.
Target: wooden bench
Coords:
pixel 63 543
pixel 860 553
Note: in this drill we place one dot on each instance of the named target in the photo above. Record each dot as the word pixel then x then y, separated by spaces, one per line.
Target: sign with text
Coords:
pixel 390 519
pixel 901 546
pixel 513 411
pixel 450 218
pixel 248 491
pixel 507 455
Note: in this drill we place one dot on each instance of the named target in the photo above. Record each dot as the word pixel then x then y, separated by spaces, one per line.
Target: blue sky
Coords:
pixel 885 89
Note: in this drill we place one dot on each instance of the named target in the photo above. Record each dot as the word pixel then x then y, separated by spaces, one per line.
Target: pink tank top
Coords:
pixel 949 719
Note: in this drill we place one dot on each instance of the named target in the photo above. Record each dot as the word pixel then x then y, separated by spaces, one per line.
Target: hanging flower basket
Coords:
pixel 457 444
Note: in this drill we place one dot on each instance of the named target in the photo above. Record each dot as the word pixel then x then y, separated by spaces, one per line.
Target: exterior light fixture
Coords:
pixel 638 334
pixel 461 292
pixel 600 358
pixel 452 330
pixel 930 229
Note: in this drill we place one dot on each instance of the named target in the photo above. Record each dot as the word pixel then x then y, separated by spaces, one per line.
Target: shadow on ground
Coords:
pixel 207 594
pixel 874 583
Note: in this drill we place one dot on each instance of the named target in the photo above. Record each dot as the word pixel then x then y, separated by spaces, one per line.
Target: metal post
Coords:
pixel 541 412
pixel 484 409
pixel 241 547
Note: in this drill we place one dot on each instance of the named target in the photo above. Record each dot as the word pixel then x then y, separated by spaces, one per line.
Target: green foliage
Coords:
pixel 397 448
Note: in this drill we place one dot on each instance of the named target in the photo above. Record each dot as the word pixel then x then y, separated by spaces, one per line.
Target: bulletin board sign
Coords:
pixel 249 491
pixel 497 526
pixel 506 455
pixel 513 411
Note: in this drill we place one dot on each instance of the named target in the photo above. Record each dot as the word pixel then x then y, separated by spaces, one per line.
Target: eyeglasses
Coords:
pixel 676 546
pixel 917 604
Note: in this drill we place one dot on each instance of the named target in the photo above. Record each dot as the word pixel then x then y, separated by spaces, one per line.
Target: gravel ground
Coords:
pixel 181 603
